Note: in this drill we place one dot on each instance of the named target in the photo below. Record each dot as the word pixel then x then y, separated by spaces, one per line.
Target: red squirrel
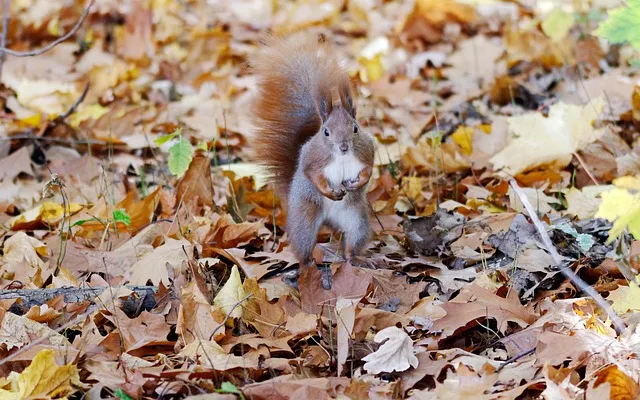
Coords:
pixel 311 144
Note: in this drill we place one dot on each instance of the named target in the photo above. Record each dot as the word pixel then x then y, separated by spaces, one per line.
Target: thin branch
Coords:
pixel 76 142
pixel 586 169
pixel 71 294
pixel 5 28
pixel 557 259
pixel 229 315
pixel 55 42
pixel 516 358
pixel 75 105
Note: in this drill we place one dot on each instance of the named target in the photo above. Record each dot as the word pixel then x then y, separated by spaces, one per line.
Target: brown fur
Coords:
pixel 295 80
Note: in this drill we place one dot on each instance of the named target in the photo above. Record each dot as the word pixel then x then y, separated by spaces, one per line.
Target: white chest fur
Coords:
pixel 339 213
pixel 343 166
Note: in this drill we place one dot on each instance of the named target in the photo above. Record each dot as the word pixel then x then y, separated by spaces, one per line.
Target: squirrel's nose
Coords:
pixel 344 147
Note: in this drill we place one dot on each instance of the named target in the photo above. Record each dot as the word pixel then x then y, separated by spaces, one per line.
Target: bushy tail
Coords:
pixel 294 76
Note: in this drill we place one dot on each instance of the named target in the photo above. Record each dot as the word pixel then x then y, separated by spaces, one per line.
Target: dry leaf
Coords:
pixel 43 378
pixel 231 294
pixel 552 140
pixel 395 354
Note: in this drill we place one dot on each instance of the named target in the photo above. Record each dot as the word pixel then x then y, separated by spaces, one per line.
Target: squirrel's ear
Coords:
pixel 350 106
pixel 323 110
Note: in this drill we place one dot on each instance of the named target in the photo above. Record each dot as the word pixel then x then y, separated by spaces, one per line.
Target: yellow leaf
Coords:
pixel 43 378
pixel 463 137
pixel 53 27
pixel 557 24
pixel 628 182
pixel 370 59
pixel 552 140
pixel 622 208
pixel 486 128
pixel 625 298
pixel 34 120
pixel 231 294
pixel 85 112
pixel 49 213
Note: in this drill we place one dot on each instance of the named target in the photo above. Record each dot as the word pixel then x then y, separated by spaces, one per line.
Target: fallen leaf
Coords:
pixel 231 294
pixel 16 163
pixel 395 354
pixel 625 298
pixel 18 331
pixel 345 319
pixel 552 140
pixel 348 282
pixel 621 386
pixel 621 205
pixel 155 265
pixel 302 324
pixel 22 260
pixel 43 378
pixel 195 188
pixel 475 302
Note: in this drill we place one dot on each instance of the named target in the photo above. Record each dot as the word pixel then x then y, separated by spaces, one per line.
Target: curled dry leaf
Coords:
pixel 231 294
pixel 195 188
pixel 395 354
pixel 22 258
pixel 345 317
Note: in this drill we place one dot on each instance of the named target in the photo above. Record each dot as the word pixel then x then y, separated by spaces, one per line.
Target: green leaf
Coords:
pixel 180 155
pixel 119 393
pixel 228 387
pixel 83 221
pixel 121 216
pixel 164 139
pixel 622 25
pixel 557 24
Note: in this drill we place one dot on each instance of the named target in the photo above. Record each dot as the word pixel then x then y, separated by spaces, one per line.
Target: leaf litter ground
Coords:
pixel 143 256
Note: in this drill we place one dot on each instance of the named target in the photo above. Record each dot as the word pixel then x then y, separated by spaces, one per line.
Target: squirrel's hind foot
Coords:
pixel 327 279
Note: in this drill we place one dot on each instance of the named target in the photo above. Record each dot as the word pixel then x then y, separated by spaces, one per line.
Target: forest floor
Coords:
pixel 142 254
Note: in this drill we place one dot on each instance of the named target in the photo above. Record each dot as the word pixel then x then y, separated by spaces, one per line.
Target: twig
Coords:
pixel 71 294
pixel 586 169
pixel 557 259
pixel 516 358
pixel 75 105
pixel 5 28
pixel 55 42
pixel 226 318
pixel 76 142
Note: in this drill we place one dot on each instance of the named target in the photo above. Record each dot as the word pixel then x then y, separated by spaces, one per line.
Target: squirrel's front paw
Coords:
pixel 337 194
pixel 352 184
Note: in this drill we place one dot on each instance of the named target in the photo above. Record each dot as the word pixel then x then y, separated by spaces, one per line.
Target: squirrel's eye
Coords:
pixel 326 132
pixel 355 128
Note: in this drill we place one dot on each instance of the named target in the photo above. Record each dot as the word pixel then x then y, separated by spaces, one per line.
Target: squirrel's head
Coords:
pixel 339 125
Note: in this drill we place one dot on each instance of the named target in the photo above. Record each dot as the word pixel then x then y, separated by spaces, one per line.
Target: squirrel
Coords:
pixel 310 143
